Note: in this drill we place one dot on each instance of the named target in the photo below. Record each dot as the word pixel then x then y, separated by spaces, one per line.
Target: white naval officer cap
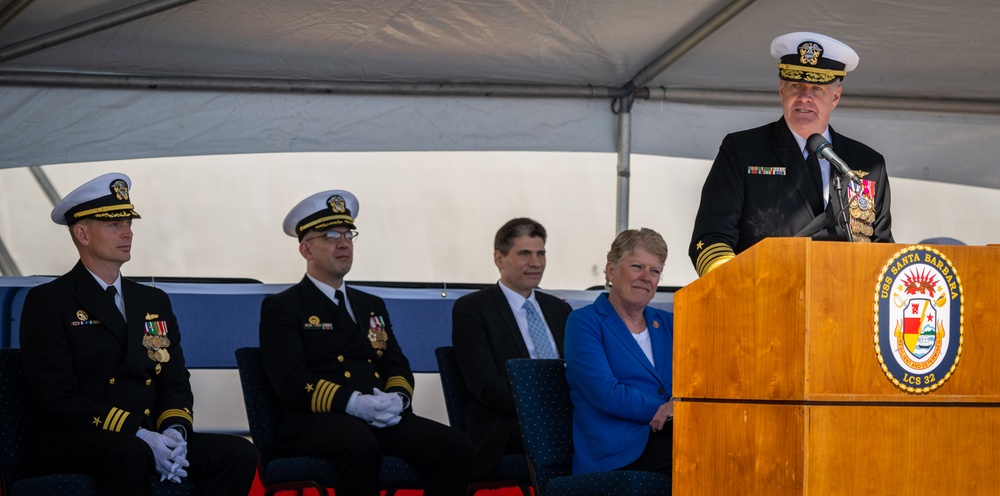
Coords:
pixel 812 57
pixel 320 212
pixel 105 197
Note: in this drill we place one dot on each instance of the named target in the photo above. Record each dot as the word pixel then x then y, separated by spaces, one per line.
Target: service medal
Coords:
pixel 162 355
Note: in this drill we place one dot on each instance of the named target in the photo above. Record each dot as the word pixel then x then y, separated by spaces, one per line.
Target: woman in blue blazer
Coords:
pixel 618 354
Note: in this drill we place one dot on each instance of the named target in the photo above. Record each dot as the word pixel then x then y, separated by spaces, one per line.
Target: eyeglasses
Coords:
pixel 335 236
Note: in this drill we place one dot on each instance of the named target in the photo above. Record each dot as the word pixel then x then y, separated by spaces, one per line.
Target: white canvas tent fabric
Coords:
pixel 88 80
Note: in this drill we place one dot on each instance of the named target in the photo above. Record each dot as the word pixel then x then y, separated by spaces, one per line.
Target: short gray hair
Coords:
pixel 629 240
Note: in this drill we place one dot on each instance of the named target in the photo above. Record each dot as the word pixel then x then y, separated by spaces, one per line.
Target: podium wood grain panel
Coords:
pixel 842 363
pixel 932 449
pixel 793 319
pixel 738 449
pixel 780 391
pixel 818 450
pixel 738 330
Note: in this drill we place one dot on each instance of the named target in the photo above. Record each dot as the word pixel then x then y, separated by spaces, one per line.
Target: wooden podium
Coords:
pixel 780 390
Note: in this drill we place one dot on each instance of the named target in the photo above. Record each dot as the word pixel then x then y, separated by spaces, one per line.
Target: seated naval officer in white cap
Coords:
pixel 103 360
pixel 330 352
pixel 765 182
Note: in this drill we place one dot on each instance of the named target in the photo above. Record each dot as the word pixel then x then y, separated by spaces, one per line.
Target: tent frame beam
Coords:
pixel 660 64
pixel 676 95
pixel 87 27
pixel 7 265
pixel 258 85
pixel 665 60
pixel 12 10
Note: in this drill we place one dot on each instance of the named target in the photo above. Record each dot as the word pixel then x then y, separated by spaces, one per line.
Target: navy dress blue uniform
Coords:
pixel 740 207
pixel 485 335
pixel 316 356
pixel 763 184
pixel 96 385
pixel 97 379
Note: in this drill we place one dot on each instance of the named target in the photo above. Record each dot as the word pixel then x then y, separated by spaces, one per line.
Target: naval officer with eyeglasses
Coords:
pixel 330 353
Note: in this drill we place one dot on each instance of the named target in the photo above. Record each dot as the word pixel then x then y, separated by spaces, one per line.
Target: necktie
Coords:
pixel 536 329
pixel 113 293
pixel 816 171
pixel 341 302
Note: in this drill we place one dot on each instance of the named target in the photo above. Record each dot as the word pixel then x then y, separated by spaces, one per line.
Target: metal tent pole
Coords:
pixel 624 146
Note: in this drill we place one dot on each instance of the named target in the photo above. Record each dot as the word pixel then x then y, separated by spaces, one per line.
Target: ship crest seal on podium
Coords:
pixel 919 319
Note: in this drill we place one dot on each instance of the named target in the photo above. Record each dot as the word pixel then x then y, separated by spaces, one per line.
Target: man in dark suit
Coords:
pixel 330 353
pixel 103 359
pixel 492 326
pixel 764 182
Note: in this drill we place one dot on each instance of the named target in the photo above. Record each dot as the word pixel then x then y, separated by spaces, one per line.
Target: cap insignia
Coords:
pixel 120 189
pixel 337 204
pixel 810 52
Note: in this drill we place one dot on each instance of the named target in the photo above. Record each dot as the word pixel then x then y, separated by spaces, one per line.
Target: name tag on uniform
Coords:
pixel 765 171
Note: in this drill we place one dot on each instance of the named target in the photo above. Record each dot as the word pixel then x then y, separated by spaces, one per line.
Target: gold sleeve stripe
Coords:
pixel 712 256
pixel 398 381
pixel 116 419
pixel 719 261
pixel 322 397
pixel 173 412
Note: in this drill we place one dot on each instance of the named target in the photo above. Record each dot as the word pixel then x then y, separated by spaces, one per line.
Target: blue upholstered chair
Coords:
pixel 545 414
pixel 513 470
pixel 15 412
pixel 17 475
pixel 264 414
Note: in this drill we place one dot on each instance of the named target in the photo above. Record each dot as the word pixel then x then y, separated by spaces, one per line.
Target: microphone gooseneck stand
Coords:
pixel 846 217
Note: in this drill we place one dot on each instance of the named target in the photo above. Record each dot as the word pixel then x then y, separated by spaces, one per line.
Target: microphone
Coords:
pixel 818 145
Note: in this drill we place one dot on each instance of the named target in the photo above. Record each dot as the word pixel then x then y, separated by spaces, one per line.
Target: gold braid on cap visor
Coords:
pixel 809 74
pixel 316 223
pixel 101 210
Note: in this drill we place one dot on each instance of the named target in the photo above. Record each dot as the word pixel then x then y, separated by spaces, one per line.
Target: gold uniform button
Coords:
pixel 149 381
pixel 146 411
pixel 376 375
pixel 340 358
pixel 369 360
pixel 112 381
pixel 347 374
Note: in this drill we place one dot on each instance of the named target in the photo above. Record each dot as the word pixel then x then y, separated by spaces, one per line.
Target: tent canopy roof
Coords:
pixel 90 80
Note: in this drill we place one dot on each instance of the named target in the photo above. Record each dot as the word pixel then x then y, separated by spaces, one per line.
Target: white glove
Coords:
pixel 395 401
pixel 376 410
pixel 391 422
pixel 165 448
pixel 178 456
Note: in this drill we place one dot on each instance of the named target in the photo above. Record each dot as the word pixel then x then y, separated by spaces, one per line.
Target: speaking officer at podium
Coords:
pixel 764 181
pixel 103 360
pixel 330 353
